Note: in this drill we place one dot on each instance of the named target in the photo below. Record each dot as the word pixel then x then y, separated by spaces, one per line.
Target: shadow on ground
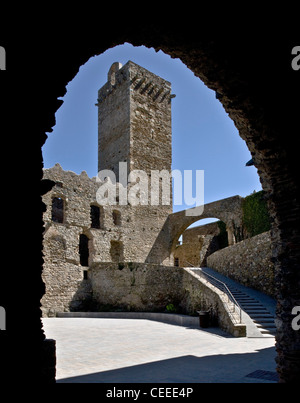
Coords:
pixel 231 368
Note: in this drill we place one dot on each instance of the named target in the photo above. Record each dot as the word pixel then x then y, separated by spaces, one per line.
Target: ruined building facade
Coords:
pixel 134 123
pixel 96 227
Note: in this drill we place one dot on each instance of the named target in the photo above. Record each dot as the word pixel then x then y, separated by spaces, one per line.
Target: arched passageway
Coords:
pixel 227 210
pixel 263 112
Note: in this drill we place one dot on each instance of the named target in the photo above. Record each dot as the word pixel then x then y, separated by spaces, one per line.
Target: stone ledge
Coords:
pixel 171 318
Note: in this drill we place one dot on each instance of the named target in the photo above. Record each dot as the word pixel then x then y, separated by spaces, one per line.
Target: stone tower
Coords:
pixel 134 120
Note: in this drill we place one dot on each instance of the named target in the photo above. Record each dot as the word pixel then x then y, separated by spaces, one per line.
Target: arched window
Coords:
pixel 57 209
pixel 84 250
pixel 116 217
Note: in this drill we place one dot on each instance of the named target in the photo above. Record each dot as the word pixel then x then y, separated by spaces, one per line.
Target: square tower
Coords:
pixel 134 120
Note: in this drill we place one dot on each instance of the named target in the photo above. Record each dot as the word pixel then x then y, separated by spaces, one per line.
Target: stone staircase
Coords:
pixel 258 309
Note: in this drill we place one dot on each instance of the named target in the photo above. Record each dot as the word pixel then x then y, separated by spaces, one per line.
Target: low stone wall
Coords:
pixel 198 292
pixel 135 286
pixel 138 287
pixel 248 262
pixel 150 288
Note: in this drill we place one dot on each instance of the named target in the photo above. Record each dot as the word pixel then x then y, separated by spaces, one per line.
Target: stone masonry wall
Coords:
pixel 150 288
pixel 196 244
pixel 63 272
pixel 248 262
pixel 135 286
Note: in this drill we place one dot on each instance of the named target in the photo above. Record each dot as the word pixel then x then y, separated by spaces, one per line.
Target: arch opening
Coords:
pixel 198 241
pixel 244 122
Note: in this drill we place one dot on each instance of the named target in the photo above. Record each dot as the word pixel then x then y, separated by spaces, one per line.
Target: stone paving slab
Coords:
pixel 103 350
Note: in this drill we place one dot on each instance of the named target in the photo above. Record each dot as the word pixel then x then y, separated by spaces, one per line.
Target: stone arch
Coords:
pixel 198 242
pixel 246 90
pixel 111 76
pixel 228 210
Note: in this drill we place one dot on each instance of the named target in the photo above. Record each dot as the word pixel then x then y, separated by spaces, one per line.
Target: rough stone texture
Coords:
pixel 228 210
pixel 149 287
pixel 63 273
pixel 134 126
pixel 134 121
pixel 248 262
pixel 197 244
pixel 135 286
pixel 200 294
pixel 242 68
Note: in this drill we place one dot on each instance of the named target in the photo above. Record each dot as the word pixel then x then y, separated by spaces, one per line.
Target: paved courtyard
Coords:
pixel 106 350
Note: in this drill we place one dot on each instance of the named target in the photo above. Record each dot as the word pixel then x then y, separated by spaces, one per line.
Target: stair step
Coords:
pixel 264 322
pixel 250 314
pixel 247 300
pixel 247 307
pixel 266 327
pixel 261 317
pixel 266 332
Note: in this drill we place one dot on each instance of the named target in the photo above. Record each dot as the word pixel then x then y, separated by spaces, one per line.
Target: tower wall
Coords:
pixel 150 117
pixel 134 126
pixel 134 120
pixel 114 121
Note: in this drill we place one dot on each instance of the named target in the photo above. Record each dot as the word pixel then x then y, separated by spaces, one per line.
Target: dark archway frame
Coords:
pixel 255 92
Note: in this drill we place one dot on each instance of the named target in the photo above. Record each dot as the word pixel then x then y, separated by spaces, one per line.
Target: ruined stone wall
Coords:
pixel 188 253
pixel 134 123
pixel 248 262
pixel 190 234
pixel 246 89
pixel 136 287
pixel 196 244
pixel 63 273
pixel 150 287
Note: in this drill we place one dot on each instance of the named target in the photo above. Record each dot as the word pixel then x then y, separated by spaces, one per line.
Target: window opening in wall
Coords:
pixel 58 209
pixel 95 217
pixel 116 251
pixel 84 250
pixel 85 274
pixel 176 262
pixel 116 217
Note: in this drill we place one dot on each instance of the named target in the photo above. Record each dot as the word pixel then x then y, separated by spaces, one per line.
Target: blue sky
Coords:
pixel 203 136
